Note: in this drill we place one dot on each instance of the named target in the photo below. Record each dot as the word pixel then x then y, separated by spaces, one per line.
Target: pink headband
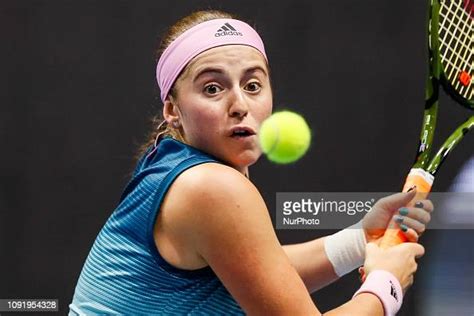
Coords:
pixel 196 40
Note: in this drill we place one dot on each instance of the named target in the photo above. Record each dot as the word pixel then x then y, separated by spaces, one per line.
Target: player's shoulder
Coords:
pixel 208 187
pixel 212 178
pixel 191 204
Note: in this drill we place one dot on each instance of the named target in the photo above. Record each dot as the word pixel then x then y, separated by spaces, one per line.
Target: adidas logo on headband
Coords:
pixel 227 29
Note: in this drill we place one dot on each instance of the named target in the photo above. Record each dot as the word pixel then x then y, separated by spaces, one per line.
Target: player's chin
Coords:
pixel 244 158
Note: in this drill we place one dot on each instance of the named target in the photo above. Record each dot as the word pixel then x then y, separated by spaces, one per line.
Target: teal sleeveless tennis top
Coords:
pixel 125 274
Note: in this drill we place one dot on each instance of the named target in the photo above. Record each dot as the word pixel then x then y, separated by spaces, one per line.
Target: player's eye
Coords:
pixel 253 86
pixel 212 89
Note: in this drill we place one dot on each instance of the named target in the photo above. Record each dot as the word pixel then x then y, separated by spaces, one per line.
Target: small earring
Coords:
pixel 175 124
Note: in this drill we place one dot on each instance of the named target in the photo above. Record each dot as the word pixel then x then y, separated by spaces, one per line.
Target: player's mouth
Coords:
pixel 241 132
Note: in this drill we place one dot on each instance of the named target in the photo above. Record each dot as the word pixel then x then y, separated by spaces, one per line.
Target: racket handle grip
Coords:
pixel 422 181
pixel 393 236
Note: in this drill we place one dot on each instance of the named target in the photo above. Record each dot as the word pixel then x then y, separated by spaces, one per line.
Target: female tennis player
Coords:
pixel 192 234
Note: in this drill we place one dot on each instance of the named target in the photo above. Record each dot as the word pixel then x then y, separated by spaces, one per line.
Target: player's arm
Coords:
pixel 227 223
pixel 312 263
pixel 311 258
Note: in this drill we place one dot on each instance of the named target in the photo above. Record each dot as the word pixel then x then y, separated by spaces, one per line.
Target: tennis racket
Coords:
pixel 450 30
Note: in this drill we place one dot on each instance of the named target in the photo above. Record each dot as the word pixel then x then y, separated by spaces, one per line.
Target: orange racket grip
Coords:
pixel 393 236
pixel 420 180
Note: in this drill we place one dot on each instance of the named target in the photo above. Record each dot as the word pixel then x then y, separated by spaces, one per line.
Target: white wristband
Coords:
pixel 386 287
pixel 346 249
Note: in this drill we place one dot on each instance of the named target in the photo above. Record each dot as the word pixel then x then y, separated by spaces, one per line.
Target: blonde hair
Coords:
pixel 160 126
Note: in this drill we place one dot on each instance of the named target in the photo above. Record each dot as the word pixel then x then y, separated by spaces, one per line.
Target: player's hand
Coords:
pixel 411 220
pixel 398 260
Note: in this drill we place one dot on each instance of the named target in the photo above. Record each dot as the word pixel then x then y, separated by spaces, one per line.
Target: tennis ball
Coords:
pixel 284 137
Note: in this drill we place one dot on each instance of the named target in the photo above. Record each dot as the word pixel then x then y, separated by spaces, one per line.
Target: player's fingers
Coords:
pixel 419 214
pixel 416 249
pixel 394 201
pixel 406 223
pixel 427 205
pixel 409 233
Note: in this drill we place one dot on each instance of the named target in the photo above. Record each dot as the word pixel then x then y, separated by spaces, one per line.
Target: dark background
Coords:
pixel 77 90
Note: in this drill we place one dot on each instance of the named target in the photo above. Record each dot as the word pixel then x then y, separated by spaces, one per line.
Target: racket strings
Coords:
pixel 456 45
pixel 461 42
pixel 456 52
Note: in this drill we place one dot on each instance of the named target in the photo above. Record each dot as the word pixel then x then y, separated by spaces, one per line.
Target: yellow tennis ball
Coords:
pixel 284 137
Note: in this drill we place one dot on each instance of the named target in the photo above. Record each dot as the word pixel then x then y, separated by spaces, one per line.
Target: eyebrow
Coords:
pixel 206 70
pixel 216 70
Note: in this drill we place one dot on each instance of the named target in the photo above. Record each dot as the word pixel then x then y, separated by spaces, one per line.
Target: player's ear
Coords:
pixel 170 110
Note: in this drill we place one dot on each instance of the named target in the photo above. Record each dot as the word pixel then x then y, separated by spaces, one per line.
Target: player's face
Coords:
pixel 223 96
